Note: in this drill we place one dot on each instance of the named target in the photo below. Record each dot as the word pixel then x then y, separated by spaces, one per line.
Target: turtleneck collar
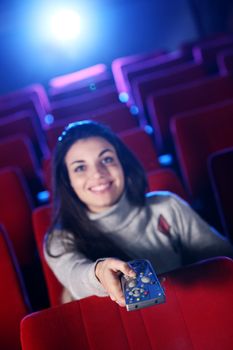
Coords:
pixel 116 217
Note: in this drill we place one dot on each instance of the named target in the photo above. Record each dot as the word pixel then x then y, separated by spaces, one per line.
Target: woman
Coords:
pixel 102 217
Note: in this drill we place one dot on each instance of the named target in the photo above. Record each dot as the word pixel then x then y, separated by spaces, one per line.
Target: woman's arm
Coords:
pixel 198 239
pixel 83 277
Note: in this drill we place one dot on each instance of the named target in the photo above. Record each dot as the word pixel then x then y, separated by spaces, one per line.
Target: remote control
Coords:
pixel 144 289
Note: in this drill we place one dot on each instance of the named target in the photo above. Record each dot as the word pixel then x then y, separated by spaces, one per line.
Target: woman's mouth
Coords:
pixel 101 187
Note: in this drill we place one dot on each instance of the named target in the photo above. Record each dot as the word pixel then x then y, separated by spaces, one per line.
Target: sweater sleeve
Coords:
pixel 198 240
pixel 72 269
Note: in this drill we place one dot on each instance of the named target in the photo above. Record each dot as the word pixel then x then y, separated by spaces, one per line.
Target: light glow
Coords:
pixel 65 25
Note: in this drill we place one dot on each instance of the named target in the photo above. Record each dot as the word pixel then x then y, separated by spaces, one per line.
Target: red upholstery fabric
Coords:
pixel 14 303
pixel 41 221
pixel 155 64
pixel 25 123
pixel 150 83
pixel 15 213
pixel 17 151
pixel 198 134
pixel 80 82
pixel 186 98
pixel 141 143
pixel 166 180
pixel 221 175
pixel 121 64
pixel 32 97
pixel 197 315
pixel 74 106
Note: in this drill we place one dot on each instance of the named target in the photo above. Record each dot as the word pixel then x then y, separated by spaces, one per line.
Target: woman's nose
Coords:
pixel 98 171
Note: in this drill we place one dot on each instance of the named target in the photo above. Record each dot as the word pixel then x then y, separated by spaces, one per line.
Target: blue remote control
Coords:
pixel 144 289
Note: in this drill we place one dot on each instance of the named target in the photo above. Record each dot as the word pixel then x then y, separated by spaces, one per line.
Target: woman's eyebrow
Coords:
pixel 77 161
pixel 105 150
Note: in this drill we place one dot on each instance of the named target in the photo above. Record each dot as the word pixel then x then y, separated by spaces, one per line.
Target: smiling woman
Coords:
pixel 95 173
pixel 103 217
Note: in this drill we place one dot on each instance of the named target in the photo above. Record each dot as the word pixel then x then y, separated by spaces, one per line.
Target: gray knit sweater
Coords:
pixel 166 231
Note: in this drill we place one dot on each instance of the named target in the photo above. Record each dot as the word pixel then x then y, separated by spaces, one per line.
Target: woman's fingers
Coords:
pixel 108 271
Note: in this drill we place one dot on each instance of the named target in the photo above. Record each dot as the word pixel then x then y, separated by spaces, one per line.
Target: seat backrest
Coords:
pixel 225 61
pixel 41 221
pixel 25 123
pixel 220 166
pixel 14 300
pixel 32 97
pixel 17 151
pixel 155 64
pixel 185 98
pixel 197 314
pixel 80 82
pixel 74 106
pixel 121 64
pixel 166 180
pixel 207 52
pixel 147 84
pixel 15 213
pixel 141 144
pixel 198 134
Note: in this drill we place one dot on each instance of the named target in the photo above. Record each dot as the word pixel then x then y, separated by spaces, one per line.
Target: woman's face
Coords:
pixel 95 173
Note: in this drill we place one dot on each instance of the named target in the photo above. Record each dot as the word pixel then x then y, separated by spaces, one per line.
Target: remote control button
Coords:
pixel 132 283
pixel 136 292
pixel 145 279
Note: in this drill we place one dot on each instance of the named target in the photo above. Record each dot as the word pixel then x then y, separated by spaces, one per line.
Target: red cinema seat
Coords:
pixel 121 64
pixel 15 213
pixel 91 101
pixel 196 135
pixel 145 85
pixel 14 300
pixel 166 180
pixel 220 168
pixel 185 98
pixel 25 123
pixel 80 82
pixel 225 62
pixel 41 221
pixel 197 315
pixel 157 64
pixel 17 151
pixel 141 144
pixel 207 52
pixel 32 97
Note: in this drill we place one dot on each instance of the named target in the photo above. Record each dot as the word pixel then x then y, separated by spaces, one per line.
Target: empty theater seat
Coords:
pixel 197 315
pixel 15 213
pixel 185 98
pixel 141 144
pixel 14 300
pixel 150 83
pixel 225 61
pixel 220 168
pixel 17 151
pixel 25 123
pixel 166 180
pixel 41 221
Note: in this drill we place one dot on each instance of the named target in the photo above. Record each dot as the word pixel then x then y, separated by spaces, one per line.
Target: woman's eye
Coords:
pixel 108 160
pixel 79 169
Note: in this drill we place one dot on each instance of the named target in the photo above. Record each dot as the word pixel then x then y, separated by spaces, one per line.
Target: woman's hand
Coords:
pixel 108 272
